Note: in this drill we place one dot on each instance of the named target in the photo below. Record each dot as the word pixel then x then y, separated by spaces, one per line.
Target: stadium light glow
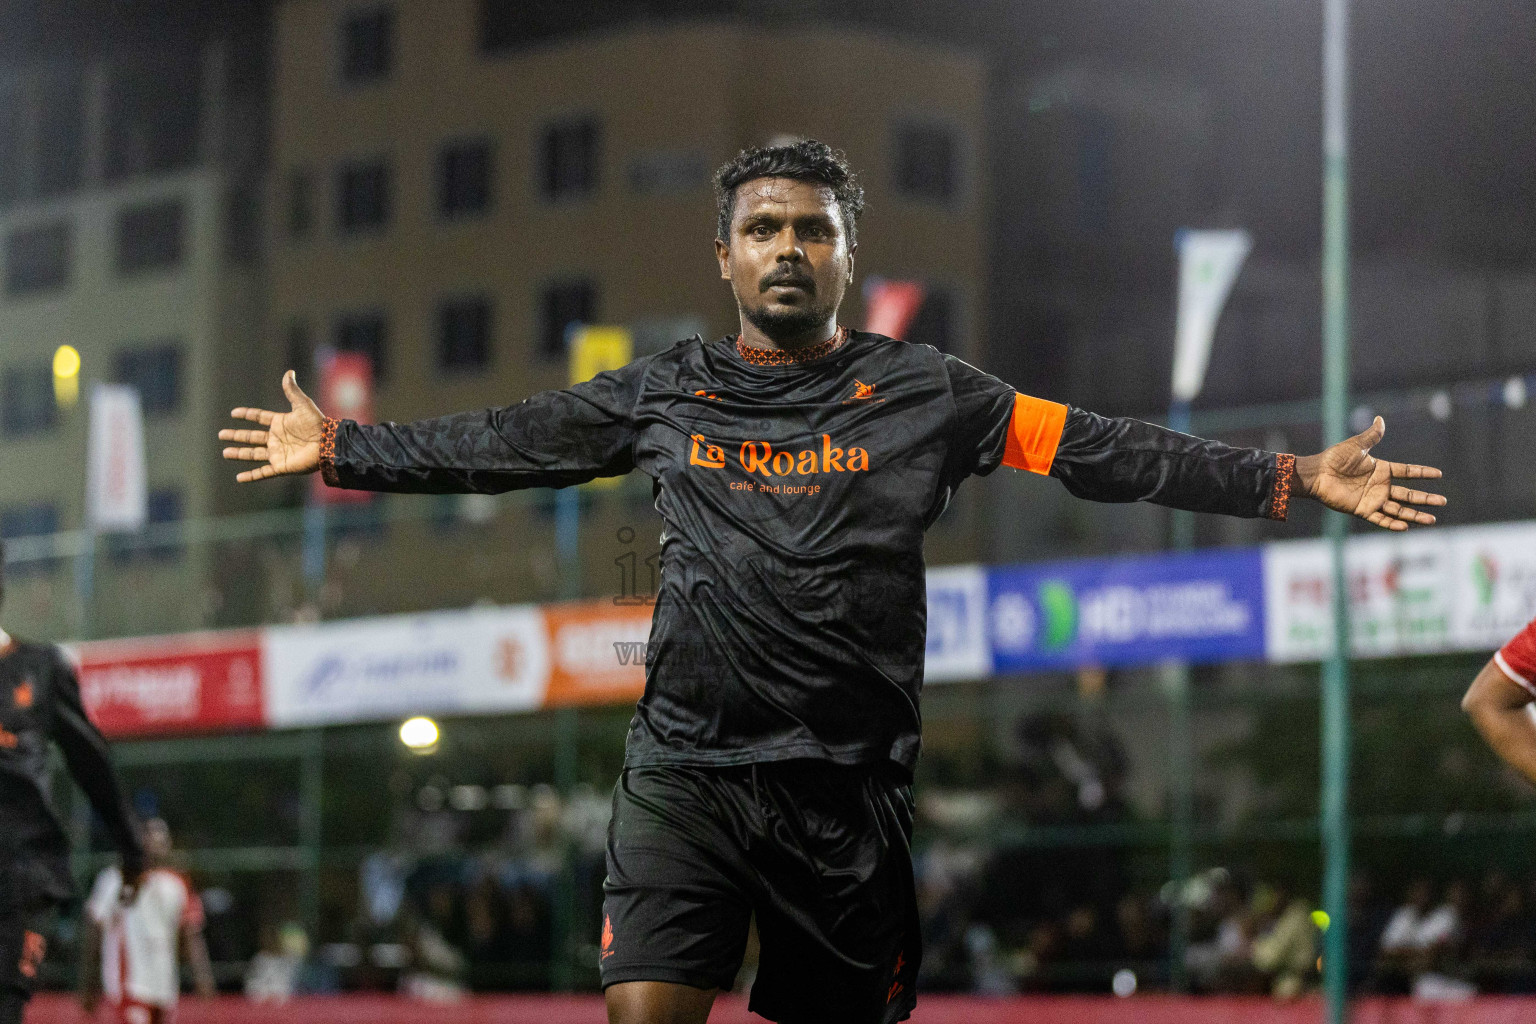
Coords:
pixel 419 734
pixel 66 375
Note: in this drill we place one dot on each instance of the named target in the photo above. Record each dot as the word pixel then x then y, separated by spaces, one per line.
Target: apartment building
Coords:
pixel 125 232
pixel 447 199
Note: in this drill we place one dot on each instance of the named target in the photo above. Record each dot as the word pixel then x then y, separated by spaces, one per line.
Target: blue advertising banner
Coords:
pixel 1198 606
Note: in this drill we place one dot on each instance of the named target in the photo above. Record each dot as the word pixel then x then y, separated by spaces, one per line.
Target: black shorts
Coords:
pixel 820 852
pixel 22 947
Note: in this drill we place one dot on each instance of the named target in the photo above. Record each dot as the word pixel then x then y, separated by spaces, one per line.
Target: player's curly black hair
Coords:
pixel 806 160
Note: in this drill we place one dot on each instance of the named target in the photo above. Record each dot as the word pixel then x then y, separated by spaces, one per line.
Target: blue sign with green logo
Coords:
pixel 1199 606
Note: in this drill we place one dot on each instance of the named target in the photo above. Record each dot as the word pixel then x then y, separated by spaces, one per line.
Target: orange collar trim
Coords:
pixel 791 357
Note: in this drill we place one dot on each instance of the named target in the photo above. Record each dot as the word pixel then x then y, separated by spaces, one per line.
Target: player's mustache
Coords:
pixel 787 275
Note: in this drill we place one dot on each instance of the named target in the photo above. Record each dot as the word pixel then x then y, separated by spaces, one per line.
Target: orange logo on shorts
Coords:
pixel 33 948
pixel 896 985
pixel 607 937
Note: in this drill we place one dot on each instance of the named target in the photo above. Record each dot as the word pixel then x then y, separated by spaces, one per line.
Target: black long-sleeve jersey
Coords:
pixel 40 701
pixel 795 491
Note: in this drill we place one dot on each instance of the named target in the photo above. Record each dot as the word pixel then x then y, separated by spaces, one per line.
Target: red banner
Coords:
pixel 199 682
pixel 346 393
pixel 889 306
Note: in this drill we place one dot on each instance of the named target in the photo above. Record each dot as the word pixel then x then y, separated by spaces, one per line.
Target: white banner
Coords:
pixel 1495 583
pixel 116 491
pixel 478 660
pixel 1208 264
pixel 957 625
pixel 1429 591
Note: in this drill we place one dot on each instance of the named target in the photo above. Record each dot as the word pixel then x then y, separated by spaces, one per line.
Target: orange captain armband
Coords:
pixel 1034 431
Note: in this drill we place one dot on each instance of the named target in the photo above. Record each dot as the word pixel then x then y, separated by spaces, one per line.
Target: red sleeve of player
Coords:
pixel 191 909
pixel 1517 658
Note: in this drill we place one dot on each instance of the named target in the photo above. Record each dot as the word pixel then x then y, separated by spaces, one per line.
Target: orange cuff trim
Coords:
pixel 328 451
pixel 1280 496
pixel 1034 431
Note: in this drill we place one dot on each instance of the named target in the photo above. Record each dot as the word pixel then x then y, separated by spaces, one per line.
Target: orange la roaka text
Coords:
pixel 759 457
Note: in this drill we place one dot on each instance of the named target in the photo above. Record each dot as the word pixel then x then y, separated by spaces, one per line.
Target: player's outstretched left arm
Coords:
pixel 1500 709
pixel 1347 478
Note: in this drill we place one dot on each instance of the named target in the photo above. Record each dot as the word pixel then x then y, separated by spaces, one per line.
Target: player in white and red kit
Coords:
pixel 139 942
pixel 1499 702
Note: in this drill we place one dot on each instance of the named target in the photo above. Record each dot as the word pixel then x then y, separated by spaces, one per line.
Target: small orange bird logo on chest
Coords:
pixel 22 695
pixel 862 390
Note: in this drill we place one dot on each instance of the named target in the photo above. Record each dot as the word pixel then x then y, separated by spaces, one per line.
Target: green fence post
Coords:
pixel 1334 799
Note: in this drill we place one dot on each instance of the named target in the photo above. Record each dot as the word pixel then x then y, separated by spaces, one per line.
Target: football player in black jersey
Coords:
pixel 39 702
pixel 796 466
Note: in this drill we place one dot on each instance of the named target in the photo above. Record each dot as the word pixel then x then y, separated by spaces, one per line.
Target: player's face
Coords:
pixel 788 257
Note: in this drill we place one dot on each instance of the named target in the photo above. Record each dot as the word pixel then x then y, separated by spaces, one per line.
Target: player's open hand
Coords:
pixel 289 445
pixel 1348 479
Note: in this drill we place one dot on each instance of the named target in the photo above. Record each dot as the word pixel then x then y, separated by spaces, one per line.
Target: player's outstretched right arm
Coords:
pixel 552 439
pixel 1499 702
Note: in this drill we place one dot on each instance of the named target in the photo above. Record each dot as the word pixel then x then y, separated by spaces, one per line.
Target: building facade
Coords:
pixel 447 201
pixel 126 233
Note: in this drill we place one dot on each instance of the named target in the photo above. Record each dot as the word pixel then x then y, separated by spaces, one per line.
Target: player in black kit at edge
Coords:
pixel 795 466
pixel 39 701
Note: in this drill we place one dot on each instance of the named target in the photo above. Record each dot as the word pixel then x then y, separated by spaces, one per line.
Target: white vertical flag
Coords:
pixel 1208 264
pixel 116 490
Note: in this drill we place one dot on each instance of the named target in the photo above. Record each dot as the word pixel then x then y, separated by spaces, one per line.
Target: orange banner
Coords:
pixel 596 652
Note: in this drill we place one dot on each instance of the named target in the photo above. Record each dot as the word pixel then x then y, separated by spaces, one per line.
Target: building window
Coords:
pixel 464 334
pixel 505 24
pixel 37 258
pixel 362 197
pixel 28 396
pixel 366 334
pixel 150 103
pixel 569 158
pixel 927 162
pixel 155 372
pixel 301 204
pixel 149 237
pixel 35 519
pixel 464 179
pixel 934 322
pixel 367 45
pixel 564 303
pixel 242 225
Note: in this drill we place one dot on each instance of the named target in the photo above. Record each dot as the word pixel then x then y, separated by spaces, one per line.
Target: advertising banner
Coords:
pixel 196 683
pixel 957 625
pixel 597 652
pixel 1494 584
pixel 472 661
pixel 1209 262
pixel 117 492
pixel 1425 592
pixel 890 306
pixel 1196 607
pixel 1400 592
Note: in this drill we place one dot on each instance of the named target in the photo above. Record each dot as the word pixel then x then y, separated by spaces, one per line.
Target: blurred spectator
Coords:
pixel 1222 961
pixel 1285 945
pixel 275 973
